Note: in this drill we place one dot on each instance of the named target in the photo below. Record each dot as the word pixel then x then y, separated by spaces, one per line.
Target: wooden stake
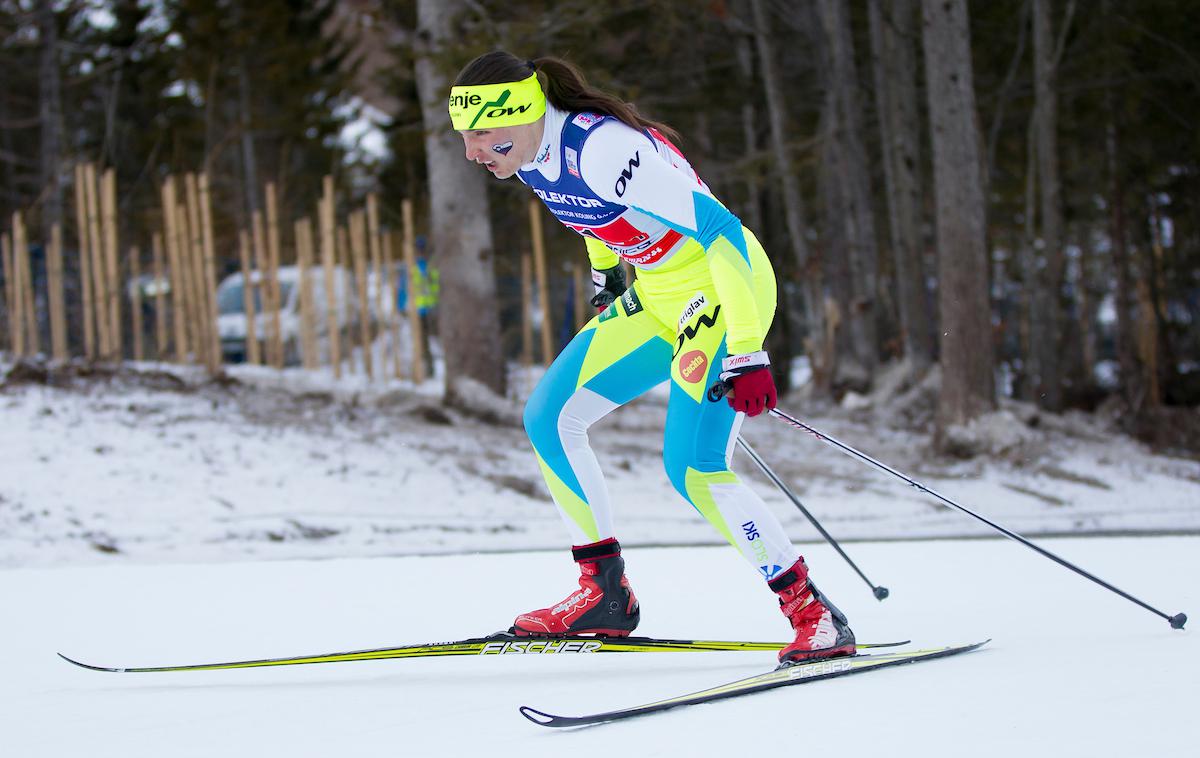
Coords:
pixel 272 292
pixel 10 297
pixel 582 303
pixel 526 317
pixel 25 278
pixel 248 306
pixel 304 262
pixel 358 251
pixel 392 311
pixel 198 293
pixel 135 273
pixel 210 275
pixel 260 279
pixel 414 314
pixel 108 205
pixel 160 307
pixel 539 266
pixel 96 247
pixel 187 275
pixel 343 258
pixel 54 285
pixel 175 262
pixel 376 273
pixel 85 262
pixel 332 290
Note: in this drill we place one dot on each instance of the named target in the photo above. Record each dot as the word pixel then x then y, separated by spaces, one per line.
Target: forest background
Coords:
pixel 998 198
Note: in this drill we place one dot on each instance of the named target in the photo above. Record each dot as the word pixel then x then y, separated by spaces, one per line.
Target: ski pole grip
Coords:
pixel 719 390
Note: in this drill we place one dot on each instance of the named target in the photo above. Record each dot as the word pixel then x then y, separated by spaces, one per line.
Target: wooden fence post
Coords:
pixel 85 262
pixel 526 317
pixel 414 314
pixel 54 285
pixel 393 310
pixel 160 306
pixel 31 340
pixel 358 244
pixel 175 268
pixel 272 293
pixel 248 301
pixel 539 267
pixel 210 275
pixel 376 270
pixel 135 273
pixel 12 296
pixel 96 247
pixel 108 207
pixel 304 262
pixel 332 290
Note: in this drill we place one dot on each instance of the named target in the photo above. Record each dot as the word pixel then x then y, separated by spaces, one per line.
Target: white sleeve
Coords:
pixel 622 165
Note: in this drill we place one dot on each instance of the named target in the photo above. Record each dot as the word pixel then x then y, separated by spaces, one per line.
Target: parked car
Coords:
pixel 232 321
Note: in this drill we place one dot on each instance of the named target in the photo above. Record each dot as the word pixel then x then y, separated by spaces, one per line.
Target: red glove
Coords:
pixel 753 387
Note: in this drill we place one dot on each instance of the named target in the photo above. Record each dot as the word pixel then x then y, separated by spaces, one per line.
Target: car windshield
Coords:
pixel 230 298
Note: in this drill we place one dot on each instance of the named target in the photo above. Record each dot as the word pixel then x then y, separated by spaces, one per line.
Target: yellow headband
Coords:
pixel 487 106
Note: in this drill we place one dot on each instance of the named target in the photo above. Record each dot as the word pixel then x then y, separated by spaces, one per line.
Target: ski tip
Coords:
pixel 538 717
pixel 86 665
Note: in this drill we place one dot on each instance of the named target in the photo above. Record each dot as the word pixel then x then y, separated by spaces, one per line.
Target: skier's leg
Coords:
pixel 697 449
pixel 616 357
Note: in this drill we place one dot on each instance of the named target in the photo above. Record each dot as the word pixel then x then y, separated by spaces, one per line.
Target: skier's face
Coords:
pixel 504 149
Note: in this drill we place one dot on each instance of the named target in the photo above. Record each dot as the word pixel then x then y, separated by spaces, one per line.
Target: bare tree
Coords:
pixel 793 200
pixel 894 39
pixel 1044 350
pixel 50 114
pixel 968 384
pixel 461 232
pixel 843 136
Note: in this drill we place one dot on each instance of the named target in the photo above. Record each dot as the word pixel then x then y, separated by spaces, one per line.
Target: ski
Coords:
pixel 500 643
pixel 799 673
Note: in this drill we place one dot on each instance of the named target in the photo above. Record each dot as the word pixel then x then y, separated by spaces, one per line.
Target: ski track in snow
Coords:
pixel 136 526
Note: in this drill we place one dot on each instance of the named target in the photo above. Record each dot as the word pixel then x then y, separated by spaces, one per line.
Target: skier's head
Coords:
pixel 498 104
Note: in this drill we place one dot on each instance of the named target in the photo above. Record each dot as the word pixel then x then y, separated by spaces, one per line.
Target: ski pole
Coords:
pixel 1177 621
pixel 879 592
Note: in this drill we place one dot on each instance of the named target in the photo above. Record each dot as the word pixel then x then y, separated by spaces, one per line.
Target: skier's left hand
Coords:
pixel 753 387
pixel 609 284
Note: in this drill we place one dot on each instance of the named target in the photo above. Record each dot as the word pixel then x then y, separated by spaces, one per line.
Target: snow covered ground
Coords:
pixel 155 468
pixel 155 519
pixel 1072 670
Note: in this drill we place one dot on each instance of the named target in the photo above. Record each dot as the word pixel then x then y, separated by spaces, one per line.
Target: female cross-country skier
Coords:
pixel 698 313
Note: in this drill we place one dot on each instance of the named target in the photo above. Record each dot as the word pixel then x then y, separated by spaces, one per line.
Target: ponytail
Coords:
pixel 566 88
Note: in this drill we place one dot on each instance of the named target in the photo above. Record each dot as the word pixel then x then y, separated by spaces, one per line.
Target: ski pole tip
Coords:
pixel 1178 620
pixel 881 593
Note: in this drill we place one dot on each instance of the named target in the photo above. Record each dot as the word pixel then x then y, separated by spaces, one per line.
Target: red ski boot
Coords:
pixel 821 629
pixel 604 603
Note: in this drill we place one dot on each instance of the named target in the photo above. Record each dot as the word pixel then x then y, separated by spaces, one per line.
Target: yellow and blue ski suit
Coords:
pixel 705 289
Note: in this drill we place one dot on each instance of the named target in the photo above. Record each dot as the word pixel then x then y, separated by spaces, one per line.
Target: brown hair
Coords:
pixel 565 86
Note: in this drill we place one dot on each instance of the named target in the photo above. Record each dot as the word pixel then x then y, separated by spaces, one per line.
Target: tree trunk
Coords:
pixel 1046 369
pixel 461 231
pixel 852 181
pixel 893 36
pixel 793 200
pixel 968 383
pixel 249 155
pixel 753 209
pixel 50 115
pixel 1132 386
